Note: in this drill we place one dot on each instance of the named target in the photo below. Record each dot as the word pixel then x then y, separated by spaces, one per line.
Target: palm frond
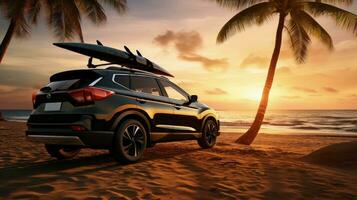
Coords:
pixel 79 31
pixel 257 13
pixel 33 10
pixel 312 27
pixel 343 18
pixel 22 28
pixel 299 40
pixel 16 12
pixel 13 8
pixel 3 7
pixel 119 5
pixel 237 4
pixel 64 18
pixel 93 10
pixel 337 2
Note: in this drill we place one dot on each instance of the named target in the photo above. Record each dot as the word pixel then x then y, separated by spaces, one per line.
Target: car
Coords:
pixel 124 110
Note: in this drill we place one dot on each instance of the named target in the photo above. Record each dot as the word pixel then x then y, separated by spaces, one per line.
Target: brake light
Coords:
pixel 90 94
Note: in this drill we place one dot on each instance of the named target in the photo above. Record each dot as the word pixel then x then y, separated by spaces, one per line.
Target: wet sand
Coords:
pixel 274 167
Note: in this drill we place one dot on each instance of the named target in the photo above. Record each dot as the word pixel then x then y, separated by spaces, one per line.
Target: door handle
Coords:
pixel 140 100
pixel 177 107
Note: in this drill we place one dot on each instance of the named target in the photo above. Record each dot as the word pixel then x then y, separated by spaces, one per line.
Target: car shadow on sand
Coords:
pixel 24 175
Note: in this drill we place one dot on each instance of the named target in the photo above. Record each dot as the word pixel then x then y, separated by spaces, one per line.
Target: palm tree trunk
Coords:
pixel 250 135
pixel 6 41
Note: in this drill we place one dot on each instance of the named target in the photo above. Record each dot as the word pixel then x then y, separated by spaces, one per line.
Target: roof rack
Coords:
pixel 123 68
pixel 135 70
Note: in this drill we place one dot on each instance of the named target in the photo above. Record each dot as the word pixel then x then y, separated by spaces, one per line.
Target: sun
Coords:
pixel 253 94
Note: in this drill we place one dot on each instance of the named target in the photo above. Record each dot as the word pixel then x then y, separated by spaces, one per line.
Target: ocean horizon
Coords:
pixel 342 122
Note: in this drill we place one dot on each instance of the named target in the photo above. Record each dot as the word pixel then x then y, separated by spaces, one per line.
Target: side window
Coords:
pixel 145 84
pixel 173 92
pixel 122 79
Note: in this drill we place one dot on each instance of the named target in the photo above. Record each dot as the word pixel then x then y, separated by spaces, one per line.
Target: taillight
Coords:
pixel 78 128
pixel 90 94
pixel 34 94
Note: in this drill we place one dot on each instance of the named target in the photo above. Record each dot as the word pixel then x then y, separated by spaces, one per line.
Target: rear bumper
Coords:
pixel 53 139
pixel 95 139
pixel 56 129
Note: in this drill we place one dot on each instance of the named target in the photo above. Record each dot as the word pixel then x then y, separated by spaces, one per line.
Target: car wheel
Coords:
pixel 129 142
pixel 62 152
pixel 209 134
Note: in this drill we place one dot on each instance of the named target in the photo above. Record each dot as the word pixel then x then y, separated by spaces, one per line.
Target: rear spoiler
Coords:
pixel 75 74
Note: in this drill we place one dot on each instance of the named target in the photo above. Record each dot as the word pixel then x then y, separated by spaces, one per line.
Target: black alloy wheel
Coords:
pixel 129 142
pixel 209 134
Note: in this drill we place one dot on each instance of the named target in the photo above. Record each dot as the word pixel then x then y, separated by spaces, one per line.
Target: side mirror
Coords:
pixel 193 98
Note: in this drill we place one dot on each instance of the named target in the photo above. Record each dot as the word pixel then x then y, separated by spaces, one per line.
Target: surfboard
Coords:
pixel 115 56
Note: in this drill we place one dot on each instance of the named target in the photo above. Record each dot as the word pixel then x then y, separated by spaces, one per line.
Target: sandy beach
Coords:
pixel 274 167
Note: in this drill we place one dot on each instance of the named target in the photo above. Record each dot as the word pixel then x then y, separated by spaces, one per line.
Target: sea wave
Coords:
pixel 16 115
pixel 306 121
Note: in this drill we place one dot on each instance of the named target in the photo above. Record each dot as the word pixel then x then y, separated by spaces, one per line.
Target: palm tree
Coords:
pixel 63 16
pixel 297 18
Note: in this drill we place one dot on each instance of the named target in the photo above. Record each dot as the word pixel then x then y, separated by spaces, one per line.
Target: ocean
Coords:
pixel 342 122
pixel 294 121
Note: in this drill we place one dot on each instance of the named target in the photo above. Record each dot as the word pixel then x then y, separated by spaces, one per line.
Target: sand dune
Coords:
pixel 341 155
pixel 272 168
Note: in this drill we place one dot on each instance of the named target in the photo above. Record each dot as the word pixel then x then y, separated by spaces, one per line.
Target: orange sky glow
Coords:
pixel 181 37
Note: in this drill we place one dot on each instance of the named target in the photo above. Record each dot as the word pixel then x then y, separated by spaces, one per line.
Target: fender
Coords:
pixel 138 114
pixel 208 116
pixel 126 113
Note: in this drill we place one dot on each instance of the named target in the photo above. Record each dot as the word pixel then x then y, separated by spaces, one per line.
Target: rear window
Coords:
pixel 61 85
pixel 67 85
pixel 71 80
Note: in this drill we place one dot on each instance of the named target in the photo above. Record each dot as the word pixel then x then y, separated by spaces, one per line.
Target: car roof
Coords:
pixel 108 71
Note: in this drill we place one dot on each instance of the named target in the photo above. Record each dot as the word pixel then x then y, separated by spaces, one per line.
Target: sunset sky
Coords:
pixel 181 37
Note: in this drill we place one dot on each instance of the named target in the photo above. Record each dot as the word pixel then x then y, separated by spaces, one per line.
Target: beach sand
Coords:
pixel 274 167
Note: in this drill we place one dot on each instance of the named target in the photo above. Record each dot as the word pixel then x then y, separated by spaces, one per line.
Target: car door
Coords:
pixel 185 113
pixel 150 98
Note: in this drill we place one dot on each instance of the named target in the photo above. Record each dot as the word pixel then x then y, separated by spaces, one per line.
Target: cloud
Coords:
pixel 216 91
pixel 346 45
pixel 286 54
pixel 165 38
pixel 16 86
pixel 188 86
pixel 207 62
pixel 12 76
pixel 291 97
pixel 352 96
pixel 255 61
pixel 15 97
pixel 171 10
pixel 330 89
pixel 284 70
pixel 303 89
pixel 187 43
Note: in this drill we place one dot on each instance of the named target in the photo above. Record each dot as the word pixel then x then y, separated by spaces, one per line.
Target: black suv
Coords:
pixel 123 110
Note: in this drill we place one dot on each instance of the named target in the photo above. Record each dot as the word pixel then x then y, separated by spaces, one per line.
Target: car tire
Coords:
pixel 62 152
pixel 129 142
pixel 209 134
